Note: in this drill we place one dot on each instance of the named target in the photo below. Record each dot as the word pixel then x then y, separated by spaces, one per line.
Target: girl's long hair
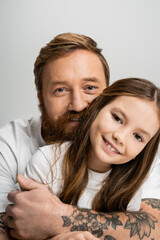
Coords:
pixel 124 179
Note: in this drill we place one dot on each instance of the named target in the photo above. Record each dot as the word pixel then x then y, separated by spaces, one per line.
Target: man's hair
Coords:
pixel 124 179
pixel 62 45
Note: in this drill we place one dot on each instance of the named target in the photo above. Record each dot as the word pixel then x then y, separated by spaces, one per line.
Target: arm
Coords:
pixel 38 214
pixel 4 233
pixel 6 185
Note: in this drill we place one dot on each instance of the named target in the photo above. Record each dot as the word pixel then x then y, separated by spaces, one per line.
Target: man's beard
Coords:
pixel 59 130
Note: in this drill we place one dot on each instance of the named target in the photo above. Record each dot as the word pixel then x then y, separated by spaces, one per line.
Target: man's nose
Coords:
pixel 78 102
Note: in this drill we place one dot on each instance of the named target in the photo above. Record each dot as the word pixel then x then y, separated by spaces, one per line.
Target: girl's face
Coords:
pixel 121 130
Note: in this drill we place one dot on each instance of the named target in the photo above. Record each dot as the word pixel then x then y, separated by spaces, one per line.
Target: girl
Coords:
pixel 112 152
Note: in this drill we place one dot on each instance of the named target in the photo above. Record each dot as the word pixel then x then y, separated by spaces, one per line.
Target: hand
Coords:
pixel 35 213
pixel 77 235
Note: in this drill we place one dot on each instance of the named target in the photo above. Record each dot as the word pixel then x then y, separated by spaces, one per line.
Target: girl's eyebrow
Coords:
pixel 125 117
pixel 121 112
pixel 145 132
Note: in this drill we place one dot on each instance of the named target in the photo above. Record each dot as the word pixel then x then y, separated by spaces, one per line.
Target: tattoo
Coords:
pixel 140 223
pixel 2 224
pixel 85 220
pixel 108 237
pixel 154 203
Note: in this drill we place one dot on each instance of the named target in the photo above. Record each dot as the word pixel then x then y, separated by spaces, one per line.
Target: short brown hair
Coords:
pixel 62 45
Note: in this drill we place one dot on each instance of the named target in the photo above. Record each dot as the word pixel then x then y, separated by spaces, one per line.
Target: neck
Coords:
pixel 95 165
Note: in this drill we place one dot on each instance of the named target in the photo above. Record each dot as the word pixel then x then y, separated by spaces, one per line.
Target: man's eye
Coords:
pixel 117 119
pixel 60 92
pixel 138 137
pixel 90 89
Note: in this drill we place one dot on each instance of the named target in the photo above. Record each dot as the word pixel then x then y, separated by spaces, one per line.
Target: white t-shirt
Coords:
pixel 19 140
pixel 39 169
pixel 151 188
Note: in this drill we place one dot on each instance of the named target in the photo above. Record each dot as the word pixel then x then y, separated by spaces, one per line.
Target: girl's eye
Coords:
pixel 138 137
pixel 117 119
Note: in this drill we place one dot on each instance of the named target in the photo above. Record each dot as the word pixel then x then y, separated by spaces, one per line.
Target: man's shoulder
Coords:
pixel 20 126
pixel 21 131
pixel 20 123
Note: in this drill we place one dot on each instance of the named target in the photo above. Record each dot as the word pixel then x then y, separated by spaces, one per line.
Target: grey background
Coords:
pixel 128 31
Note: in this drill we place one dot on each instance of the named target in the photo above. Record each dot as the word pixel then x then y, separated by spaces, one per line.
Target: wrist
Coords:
pixel 60 215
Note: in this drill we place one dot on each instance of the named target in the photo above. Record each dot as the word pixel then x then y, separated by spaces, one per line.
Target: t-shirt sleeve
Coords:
pixel 40 165
pixel 151 188
pixel 135 203
pixel 45 167
pixel 7 183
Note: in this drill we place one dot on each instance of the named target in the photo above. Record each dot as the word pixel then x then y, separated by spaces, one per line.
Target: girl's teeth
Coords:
pixel 110 147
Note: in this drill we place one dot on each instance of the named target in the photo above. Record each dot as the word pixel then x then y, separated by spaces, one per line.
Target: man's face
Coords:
pixel 69 85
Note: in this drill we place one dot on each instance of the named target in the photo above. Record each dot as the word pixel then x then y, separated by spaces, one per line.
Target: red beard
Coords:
pixel 59 130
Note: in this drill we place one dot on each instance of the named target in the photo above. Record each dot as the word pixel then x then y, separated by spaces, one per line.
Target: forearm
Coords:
pixel 3 229
pixel 144 224
pixel 38 214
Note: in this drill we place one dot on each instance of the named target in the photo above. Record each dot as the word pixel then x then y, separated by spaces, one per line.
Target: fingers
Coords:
pixel 9 210
pixel 14 234
pixel 11 196
pixel 77 235
pixel 28 184
pixel 10 222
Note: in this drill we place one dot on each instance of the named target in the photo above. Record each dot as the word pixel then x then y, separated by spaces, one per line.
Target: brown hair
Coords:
pixel 62 45
pixel 124 179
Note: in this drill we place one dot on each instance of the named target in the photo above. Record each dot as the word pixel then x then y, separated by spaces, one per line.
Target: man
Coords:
pixel 69 73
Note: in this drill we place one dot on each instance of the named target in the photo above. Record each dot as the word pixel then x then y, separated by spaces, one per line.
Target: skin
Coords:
pixel 71 83
pixel 118 124
pixel 75 235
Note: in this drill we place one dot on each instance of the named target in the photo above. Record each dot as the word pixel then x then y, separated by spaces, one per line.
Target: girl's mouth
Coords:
pixel 111 147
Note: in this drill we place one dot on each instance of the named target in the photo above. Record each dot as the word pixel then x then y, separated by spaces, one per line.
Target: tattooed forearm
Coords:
pixel 154 203
pixel 2 224
pixel 140 223
pixel 85 220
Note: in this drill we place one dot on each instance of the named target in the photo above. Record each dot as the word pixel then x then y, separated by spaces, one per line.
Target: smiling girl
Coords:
pixel 113 149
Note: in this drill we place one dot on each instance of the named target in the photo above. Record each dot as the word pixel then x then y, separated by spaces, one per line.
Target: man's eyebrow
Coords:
pixel 58 82
pixel 91 79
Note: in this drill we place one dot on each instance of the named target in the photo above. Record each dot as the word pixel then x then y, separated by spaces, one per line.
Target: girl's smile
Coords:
pixel 110 147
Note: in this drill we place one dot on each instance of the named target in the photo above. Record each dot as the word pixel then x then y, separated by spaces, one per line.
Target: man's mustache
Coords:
pixel 69 116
